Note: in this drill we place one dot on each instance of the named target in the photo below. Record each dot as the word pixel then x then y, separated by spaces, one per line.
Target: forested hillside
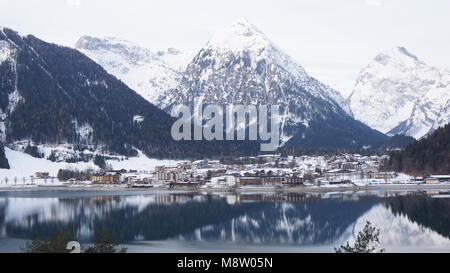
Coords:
pixel 429 155
pixel 51 94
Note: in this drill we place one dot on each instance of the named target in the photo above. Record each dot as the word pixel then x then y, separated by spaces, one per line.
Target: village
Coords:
pixel 261 172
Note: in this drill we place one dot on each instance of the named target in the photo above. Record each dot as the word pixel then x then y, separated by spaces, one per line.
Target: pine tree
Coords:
pixel 431 154
pixel 367 242
pixel 100 162
pixel 56 244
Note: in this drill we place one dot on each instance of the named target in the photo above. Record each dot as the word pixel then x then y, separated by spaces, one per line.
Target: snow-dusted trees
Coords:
pixel 367 242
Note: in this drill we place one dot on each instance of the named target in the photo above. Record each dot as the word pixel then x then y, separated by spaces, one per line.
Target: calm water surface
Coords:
pixel 192 222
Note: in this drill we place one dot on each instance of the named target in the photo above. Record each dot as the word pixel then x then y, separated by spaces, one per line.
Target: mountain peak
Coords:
pixel 405 52
pixel 146 72
pixel 94 43
pixel 397 55
pixel 397 93
pixel 239 36
pixel 85 41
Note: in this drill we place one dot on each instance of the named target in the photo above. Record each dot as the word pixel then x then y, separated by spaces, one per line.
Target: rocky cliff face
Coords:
pixel 397 93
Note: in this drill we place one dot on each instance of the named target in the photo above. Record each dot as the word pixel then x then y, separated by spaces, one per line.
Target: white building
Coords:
pixel 231 180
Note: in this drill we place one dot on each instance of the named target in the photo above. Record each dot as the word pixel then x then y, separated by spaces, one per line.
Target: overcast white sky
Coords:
pixel 332 39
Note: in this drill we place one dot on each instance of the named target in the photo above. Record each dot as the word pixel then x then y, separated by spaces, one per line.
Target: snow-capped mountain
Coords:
pixel 148 73
pixel 398 230
pixel 430 112
pixel 240 65
pixel 397 93
pixel 54 97
pixel 254 52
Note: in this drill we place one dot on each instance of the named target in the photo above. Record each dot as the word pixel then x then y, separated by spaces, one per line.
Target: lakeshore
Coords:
pixel 121 189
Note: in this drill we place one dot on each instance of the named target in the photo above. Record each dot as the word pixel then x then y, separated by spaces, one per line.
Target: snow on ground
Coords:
pixel 141 163
pixel 23 165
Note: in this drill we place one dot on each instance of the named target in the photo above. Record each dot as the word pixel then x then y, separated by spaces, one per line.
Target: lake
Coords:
pixel 162 221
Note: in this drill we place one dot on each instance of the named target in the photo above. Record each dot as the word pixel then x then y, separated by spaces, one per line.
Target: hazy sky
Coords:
pixel 332 39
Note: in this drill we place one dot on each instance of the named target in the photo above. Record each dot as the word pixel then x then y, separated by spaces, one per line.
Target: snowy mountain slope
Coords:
pixel 430 112
pixel 24 165
pixel 244 43
pixel 397 93
pixel 10 96
pixel 51 94
pixel 175 59
pixel 8 68
pixel 146 72
pixel 240 65
pixel 303 223
pixel 398 232
pixel 6 51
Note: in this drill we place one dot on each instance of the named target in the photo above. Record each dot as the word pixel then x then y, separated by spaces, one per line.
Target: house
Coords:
pixel 231 179
pixel 337 174
pixel 138 119
pixel 168 174
pixel 272 180
pixel 131 179
pixel 184 184
pixel 248 180
pixel 441 178
pixel 72 181
pixel 42 175
pixel 418 179
pixel 340 182
pixel 217 173
pixel 106 178
pixel 269 158
pixel 122 171
pixel 351 166
pixel 381 175
pixel 293 180
pixel 185 165
pixel 431 180
pixel 259 180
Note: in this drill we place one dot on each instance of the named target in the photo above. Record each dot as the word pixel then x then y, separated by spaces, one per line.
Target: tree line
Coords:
pixel 430 155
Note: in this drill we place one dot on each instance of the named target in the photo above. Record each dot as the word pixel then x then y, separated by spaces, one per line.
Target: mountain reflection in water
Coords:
pixel 262 219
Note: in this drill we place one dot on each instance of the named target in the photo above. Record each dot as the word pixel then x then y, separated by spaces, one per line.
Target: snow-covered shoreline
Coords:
pixel 123 189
